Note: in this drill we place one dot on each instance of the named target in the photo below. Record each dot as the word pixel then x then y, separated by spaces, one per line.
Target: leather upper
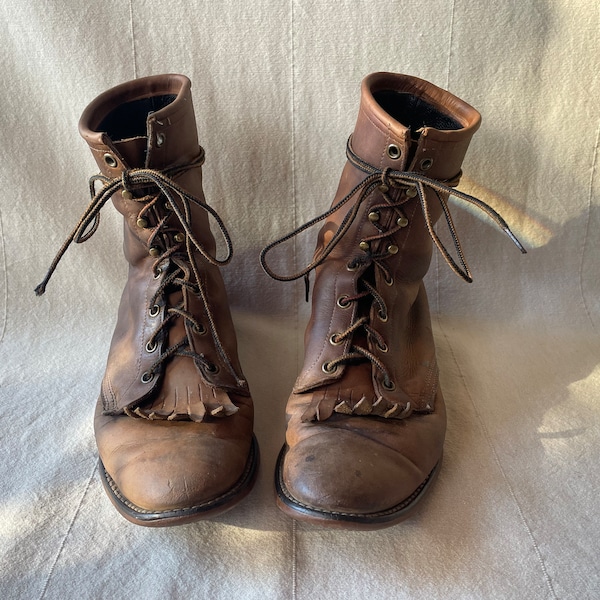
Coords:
pixel 159 140
pixel 363 437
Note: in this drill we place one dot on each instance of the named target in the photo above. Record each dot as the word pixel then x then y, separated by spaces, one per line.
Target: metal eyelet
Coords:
pixel 383 347
pixel 382 317
pixel 393 151
pixel 326 368
pixel 110 160
pixel 374 216
pixel 402 221
pixel 411 192
pixel 179 237
pixel 199 329
pixel 426 164
pixel 389 282
pixel 160 139
pixel 154 311
pixel 147 377
pixel 343 302
pixel 151 347
pixel 390 386
pixel 364 246
pixel 392 249
pixel 352 267
pixel 211 368
pixel 334 340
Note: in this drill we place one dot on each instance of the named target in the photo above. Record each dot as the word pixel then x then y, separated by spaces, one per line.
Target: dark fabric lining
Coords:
pixel 414 112
pixel 129 119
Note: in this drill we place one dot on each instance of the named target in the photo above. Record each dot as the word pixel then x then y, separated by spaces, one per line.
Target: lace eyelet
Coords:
pixel 343 302
pixel 326 368
pixel 211 368
pixel 154 311
pixel 110 160
pixel 382 317
pixel 389 282
pixel 199 329
pixel 393 151
pixel 147 377
pixel 151 347
pixel 390 386
pixel 334 340
pixel 426 164
pixel 383 347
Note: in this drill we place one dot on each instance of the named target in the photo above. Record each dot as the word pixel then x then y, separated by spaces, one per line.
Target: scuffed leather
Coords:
pixel 184 439
pixel 353 445
pixel 128 359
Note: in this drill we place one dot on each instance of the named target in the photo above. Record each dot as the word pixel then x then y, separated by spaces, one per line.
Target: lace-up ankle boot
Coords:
pixel 174 418
pixel 366 419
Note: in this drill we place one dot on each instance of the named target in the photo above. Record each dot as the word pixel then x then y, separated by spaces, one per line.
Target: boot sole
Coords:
pixel 181 516
pixel 344 520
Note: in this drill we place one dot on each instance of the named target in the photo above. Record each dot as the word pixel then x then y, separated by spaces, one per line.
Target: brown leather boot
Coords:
pixel 174 419
pixel 366 419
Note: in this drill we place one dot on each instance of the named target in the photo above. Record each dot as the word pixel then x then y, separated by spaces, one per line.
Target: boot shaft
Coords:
pixel 147 123
pixel 373 273
pixel 174 322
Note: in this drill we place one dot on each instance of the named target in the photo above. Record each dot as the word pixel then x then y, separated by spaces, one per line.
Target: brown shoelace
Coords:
pixel 384 180
pixel 167 189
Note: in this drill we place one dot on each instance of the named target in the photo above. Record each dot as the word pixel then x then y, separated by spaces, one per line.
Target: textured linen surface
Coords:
pixel 515 512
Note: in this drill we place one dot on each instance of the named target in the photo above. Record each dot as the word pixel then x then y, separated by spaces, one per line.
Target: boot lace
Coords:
pixel 415 185
pixel 179 252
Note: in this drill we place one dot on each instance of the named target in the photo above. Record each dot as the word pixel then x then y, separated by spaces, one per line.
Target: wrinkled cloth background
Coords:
pixel 515 512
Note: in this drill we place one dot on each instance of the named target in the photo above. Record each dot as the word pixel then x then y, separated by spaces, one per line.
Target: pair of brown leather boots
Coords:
pixel 366 419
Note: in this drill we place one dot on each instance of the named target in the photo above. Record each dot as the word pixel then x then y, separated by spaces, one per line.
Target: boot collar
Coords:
pixel 168 133
pixel 388 133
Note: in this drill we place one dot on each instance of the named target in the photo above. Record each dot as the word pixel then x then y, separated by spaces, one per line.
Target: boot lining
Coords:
pixel 129 119
pixel 414 112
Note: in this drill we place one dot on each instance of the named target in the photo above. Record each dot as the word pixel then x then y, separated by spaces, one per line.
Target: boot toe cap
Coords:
pixel 344 473
pixel 169 466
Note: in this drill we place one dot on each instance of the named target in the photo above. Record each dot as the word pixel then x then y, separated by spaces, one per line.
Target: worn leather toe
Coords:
pixel 162 466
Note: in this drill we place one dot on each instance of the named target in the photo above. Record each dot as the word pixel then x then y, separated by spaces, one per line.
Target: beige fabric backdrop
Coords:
pixel 515 513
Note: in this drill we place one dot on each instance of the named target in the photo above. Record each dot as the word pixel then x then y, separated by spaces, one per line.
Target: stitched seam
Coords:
pixel 397 508
pixel 381 127
pixel 240 484
pixel 509 486
pixel 429 389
